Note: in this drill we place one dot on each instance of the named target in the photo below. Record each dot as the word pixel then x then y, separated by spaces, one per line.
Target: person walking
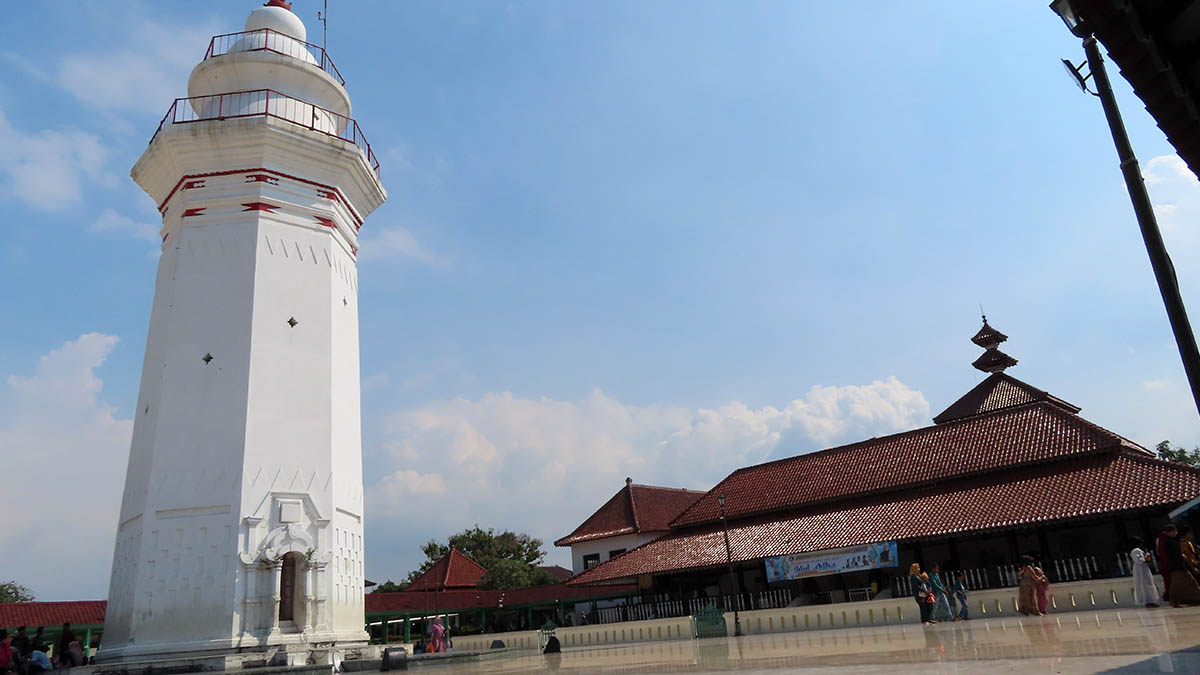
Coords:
pixel 941 602
pixel 921 592
pixel 959 591
pixel 437 636
pixel 1042 586
pixel 1027 602
pixel 1145 591
pixel 1168 533
pixel 1184 589
pixel 62 650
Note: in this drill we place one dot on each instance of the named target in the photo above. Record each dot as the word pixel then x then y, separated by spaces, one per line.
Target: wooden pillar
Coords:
pixel 407 628
pixel 483 621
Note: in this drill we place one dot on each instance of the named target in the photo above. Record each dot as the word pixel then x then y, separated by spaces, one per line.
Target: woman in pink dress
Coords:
pixel 1042 585
pixel 438 635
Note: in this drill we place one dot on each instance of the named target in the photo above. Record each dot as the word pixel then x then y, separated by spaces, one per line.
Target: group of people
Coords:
pixel 1177 560
pixel 27 655
pixel 934 597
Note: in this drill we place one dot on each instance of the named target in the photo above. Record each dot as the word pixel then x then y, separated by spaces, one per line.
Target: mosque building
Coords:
pixel 1006 470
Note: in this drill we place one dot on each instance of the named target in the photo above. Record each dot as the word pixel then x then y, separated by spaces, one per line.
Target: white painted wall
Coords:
pixel 603 546
pixel 236 462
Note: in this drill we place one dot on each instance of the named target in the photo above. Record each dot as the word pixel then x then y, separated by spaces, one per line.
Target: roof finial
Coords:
pixel 628 481
pixel 993 360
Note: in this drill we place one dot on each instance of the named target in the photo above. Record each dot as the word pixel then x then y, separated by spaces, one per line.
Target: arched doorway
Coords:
pixel 287 586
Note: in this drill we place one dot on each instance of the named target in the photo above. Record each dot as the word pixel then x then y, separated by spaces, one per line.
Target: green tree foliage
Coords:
pixel 1178 454
pixel 513 556
pixel 11 591
pixel 508 574
pixel 390 586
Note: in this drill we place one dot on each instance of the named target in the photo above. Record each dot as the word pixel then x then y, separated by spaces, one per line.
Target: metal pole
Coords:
pixel 1164 270
pixel 737 621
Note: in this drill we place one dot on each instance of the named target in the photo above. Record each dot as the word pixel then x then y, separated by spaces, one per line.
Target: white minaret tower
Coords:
pixel 241 527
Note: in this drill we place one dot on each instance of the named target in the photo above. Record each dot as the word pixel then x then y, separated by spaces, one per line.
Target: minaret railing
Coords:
pixel 267 40
pixel 268 103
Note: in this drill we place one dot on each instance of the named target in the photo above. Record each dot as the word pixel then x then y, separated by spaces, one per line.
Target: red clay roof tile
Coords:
pixel 453 570
pixel 1070 488
pixel 635 508
pixel 475 599
pixel 998 392
pixel 33 614
pixel 1031 433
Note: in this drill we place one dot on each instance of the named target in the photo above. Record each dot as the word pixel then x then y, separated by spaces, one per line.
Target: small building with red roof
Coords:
pixel 1006 470
pixel 636 514
pixel 454 571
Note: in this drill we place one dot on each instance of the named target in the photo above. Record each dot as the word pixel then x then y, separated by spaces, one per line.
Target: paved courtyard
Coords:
pixel 1113 641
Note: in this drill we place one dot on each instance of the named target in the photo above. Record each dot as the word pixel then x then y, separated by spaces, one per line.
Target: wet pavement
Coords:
pixel 1112 641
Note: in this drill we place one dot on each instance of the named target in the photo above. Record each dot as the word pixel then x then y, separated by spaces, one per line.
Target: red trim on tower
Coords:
pixel 193 212
pixel 326 194
pixel 165 235
pixel 260 206
pixel 193 184
pixel 326 222
pixel 262 178
pixel 342 198
pixel 279 3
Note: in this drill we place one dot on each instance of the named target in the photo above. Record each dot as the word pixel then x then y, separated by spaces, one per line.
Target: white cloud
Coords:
pixel 46 169
pixel 398 242
pixel 543 465
pixel 65 454
pixel 112 222
pixel 143 72
pixel 1175 191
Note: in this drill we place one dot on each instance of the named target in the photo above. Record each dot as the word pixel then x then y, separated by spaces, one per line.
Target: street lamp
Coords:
pixel 1160 261
pixel 737 621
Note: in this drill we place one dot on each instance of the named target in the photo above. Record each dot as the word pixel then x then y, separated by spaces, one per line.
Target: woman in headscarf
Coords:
pixel 1145 591
pixel 1027 602
pixel 1042 586
pixel 921 592
pixel 1185 569
pixel 437 636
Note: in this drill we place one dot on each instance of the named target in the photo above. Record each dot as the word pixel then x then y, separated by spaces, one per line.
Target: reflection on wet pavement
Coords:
pixel 1113 641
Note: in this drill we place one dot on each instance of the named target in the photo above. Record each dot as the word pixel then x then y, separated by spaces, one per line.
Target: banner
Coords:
pixel 831 561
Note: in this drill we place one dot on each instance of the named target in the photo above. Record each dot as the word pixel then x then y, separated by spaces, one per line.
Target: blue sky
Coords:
pixel 660 240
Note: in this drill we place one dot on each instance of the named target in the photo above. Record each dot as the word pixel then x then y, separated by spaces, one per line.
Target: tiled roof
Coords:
pixel 988 336
pixel 454 570
pixel 997 392
pixel 635 508
pixel 556 572
pixel 475 599
pixel 1071 488
pixel 33 614
pixel 1031 433
pixel 994 360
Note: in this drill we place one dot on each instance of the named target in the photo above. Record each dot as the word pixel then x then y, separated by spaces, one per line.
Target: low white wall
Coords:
pixel 1066 597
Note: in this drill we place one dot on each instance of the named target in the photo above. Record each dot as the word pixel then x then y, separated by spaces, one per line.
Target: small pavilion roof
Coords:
pixel 453 570
pixel 994 361
pixel 634 508
pixel 988 337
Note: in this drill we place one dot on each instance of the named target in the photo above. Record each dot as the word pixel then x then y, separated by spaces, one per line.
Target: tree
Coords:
pixel 508 574
pixel 11 591
pixel 1178 454
pixel 390 586
pixel 514 556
